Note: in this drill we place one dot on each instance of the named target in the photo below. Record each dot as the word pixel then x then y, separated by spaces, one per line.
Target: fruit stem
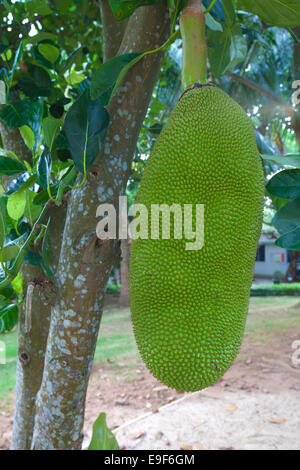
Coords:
pixel 194 48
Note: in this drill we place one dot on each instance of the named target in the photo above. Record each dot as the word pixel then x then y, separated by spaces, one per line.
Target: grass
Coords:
pixel 116 346
pixel 8 371
pixel 115 342
pixel 269 317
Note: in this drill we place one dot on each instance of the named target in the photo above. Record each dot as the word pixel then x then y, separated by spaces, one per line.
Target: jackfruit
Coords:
pixel 189 307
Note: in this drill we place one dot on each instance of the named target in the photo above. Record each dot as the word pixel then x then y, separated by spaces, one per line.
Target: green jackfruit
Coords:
pixel 189 306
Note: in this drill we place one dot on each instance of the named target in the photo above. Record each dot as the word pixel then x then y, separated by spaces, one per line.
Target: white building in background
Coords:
pixel 270 258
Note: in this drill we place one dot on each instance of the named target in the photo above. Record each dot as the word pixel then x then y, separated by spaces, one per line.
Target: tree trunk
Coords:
pixel 292 269
pixel 32 341
pixel 113 31
pixel 33 328
pixel 85 261
pixel 296 73
pixel 12 140
pixel 124 300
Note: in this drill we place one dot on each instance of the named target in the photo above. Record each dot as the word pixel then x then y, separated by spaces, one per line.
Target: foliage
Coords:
pixel 102 437
pixel 285 186
pixel 270 290
pixel 285 13
pixel 113 289
pixel 55 89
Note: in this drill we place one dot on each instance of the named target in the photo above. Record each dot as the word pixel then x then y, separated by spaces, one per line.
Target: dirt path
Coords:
pixel 256 405
pixel 230 420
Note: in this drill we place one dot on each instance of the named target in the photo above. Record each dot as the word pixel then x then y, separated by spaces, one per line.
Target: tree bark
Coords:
pixel 296 73
pixel 113 31
pixel 32 340
pixel 292 269
pixel 124 300
pixel 85 261
pixel 31 344
pixel 294 255
pixel 12 140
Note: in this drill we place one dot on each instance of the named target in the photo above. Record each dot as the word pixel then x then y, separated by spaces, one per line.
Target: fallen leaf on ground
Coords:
pixel 277 420
pixel 231 408
pixel 136 435
pixel 186 447
pixel 197 446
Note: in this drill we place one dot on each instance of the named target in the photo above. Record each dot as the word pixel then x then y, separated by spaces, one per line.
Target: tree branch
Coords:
pixel 250 84
pixel 32 342
pixel 296 73
pixel 112 30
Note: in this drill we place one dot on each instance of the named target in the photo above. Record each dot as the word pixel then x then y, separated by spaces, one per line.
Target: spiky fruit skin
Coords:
pixel 189 307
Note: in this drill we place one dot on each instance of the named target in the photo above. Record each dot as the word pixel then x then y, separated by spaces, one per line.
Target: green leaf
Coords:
pixel 238 47
pixel 71 59
pixel 50 52
pixel 17 58
pixel 9 252
pixel 219 52
pixel 42 197
pixel 285 184
pixel 64 5
pixel 36 260
pixel 102 437
pixel 17 284
pixel 8 317
pixel 17 114
pixel 50 127
pixel 74 78
pixel 27 135
pixel 32 211
pixel 10 167
pixel 7 292
pixel 288 218
pixel 36 82
pixel 124 8
pixel 213 24
pixel 105 77
pixel 44 167
pixel 217 10
pixel 40 57
pixel 35 121
pixel 39 7
pixel 16 205
pixel 265 147
pixel 85 128
pixel 283 13
pixel 83 86
pixel 287 160
pixel 21 183
pixel 229 12
pixel 290 240
pixel 2 222
pixel 226 49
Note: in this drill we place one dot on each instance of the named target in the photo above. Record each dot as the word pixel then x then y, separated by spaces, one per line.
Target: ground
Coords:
pixel 254 406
